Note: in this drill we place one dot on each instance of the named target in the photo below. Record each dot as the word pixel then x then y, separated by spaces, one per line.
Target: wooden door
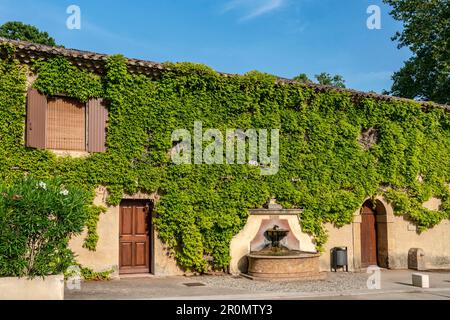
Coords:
pixel 134 239
pixel 368 236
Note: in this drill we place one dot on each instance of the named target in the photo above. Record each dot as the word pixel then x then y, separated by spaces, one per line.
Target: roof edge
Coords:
pixel 26 52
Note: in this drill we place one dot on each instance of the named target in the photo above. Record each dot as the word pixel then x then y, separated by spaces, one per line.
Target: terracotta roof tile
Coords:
pixel 27 51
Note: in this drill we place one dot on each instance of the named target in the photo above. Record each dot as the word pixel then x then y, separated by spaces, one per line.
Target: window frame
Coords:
pixel 96 118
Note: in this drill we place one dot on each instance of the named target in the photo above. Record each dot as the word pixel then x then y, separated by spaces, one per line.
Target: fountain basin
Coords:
pixel 287 265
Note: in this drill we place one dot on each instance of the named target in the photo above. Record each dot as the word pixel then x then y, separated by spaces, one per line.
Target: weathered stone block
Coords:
pixel 416 259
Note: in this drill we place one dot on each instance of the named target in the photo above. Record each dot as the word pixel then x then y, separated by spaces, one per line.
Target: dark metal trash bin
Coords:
pixel 339 258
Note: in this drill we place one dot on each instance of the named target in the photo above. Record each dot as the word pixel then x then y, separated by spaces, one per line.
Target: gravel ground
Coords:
pixel 335 281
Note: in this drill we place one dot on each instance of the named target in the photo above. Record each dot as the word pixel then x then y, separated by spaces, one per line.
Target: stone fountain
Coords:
pixel 275 251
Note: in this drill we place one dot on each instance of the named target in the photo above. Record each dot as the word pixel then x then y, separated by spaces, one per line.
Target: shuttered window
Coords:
pixel 63 123
pixel 66 124
pixel 97 118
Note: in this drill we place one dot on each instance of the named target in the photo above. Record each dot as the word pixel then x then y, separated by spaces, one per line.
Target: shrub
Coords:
pixel 37 219
pixel 90 275
pixel 87 273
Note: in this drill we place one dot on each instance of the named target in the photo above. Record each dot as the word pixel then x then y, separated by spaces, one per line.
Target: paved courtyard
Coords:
pixel 395 284
pixel 410 295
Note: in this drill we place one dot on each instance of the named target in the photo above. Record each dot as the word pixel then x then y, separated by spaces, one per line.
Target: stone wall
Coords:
pixel 165 263
pixel 435 244
pixel 337 237
pixel 400 236
pixel 106 256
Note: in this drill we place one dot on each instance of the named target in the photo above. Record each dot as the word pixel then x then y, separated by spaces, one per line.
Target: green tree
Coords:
pixel 19 31
pixel 302 77
pixel 426 32
pixel 37 219
pixel 329 80
pixel 323 78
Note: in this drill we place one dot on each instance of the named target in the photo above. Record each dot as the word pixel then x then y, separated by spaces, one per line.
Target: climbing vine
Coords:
pixel 324 167
pixel 71 81
pixel 90 242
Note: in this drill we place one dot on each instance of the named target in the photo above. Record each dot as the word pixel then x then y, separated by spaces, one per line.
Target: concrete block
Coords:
pixel 420 280
pixel 50 288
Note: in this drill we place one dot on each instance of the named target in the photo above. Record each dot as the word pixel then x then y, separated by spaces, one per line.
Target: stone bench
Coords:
pixel 420 280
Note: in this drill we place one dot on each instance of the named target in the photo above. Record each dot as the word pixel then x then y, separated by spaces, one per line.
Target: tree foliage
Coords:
pixel 37 219
pixel 323 79
pixel 16 30
pixel 426 32
pixel 302 77
pixel 329 80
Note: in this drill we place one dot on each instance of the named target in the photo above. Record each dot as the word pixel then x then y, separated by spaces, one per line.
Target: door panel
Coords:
pixel 134 237
pixel 140 221
pixel 368 236
pixel 127 221
pixel 126 254
pixel 141 255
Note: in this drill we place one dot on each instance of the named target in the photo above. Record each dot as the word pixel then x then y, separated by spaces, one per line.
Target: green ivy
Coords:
pixel 71 81
pixel 91 275
pixel 87 273
pixel 90 242
pixel 323 167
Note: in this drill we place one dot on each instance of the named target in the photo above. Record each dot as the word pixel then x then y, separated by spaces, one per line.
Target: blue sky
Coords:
pixel 281 37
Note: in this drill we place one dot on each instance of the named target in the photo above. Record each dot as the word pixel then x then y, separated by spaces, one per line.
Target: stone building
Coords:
pixel 127 245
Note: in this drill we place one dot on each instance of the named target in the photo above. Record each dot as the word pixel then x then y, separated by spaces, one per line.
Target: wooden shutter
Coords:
pixel 66 124
pixel 36 119
pixel 97 118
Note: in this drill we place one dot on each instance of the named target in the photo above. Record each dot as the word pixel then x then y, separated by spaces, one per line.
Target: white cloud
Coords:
pixel 253 8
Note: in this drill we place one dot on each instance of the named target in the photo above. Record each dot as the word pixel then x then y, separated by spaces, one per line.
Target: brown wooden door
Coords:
pixel 368 236
pixel 134 237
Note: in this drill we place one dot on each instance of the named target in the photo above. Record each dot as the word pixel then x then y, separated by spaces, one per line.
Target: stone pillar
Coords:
pixel 356 256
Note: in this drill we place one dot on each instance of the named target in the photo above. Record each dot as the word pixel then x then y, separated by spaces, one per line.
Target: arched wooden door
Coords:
pixel 368 235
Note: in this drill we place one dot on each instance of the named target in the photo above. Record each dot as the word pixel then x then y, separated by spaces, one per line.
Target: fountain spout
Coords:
pixel 275 235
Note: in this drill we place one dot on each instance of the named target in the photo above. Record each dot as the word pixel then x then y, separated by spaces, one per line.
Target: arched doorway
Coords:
pixel 369 254
pixel 374 237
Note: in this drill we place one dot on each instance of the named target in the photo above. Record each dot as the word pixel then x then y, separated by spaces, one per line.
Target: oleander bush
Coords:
pixel 37 219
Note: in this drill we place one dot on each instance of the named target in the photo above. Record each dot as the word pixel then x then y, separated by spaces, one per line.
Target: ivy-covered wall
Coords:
pixel 326 168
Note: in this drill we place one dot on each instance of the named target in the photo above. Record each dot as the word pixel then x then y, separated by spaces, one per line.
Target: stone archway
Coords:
pixel 382 219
